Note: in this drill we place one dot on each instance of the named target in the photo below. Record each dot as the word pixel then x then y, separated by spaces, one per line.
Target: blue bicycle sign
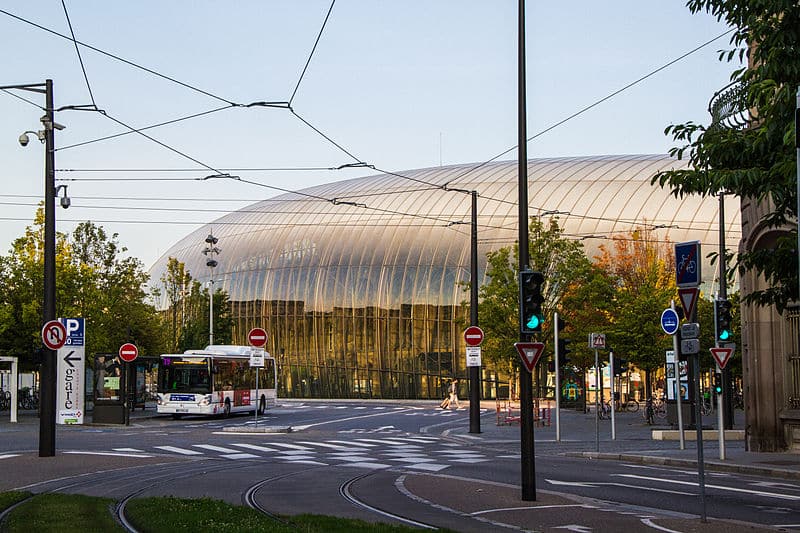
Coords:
pixel 687 264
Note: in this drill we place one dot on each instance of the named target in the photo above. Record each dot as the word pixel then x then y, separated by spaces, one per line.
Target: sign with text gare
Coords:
pixel 71 359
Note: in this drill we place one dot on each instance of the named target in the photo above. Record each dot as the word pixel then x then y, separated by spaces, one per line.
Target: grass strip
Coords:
pixel 63 513
pixel 7 499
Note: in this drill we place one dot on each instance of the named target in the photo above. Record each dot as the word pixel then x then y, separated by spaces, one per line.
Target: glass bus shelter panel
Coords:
pixel 109 387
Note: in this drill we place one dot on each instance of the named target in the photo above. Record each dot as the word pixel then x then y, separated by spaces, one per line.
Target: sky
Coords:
pixel 397 85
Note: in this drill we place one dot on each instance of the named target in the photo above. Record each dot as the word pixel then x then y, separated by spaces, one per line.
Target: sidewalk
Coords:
pixel 634 442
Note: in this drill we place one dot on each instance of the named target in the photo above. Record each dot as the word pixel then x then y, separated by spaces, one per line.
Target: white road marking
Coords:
pixel 112 454
pixel 254 447
pixel 373 466
pixel 351 443
pixel 132 450
pixel 240 456
pixel 213 448
pixel 182 451
pixel 720 487
pixel 9 455
pixel 326 445
pixel 290 446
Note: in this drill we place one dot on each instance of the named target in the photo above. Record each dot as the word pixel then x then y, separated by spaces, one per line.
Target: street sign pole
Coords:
pixel 678 398
pixel 720 423
pixel 596 401
pixel 558 377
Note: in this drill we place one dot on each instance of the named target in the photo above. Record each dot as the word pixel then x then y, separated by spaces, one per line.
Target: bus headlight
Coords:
pixel 161 399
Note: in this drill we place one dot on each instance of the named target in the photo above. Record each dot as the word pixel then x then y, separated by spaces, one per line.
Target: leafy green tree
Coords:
pixel 188 309
pixel 563 263
pixel 754 159
pixel 92 282
pixel 644 284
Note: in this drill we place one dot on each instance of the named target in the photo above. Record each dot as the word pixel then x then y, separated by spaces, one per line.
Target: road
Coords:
pixel 393 462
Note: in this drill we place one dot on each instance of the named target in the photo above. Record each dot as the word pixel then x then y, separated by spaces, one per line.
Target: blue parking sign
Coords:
pixel 687 264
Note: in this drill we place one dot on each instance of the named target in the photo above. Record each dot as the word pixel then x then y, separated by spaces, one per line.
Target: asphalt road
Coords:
pixel 393 462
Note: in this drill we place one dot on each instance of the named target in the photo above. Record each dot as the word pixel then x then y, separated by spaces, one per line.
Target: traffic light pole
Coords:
pixel 528 474
pixel 557 392
pixel 474 371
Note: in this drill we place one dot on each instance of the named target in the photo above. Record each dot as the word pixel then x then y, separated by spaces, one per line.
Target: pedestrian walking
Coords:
pixel 454 394
pixel 446 402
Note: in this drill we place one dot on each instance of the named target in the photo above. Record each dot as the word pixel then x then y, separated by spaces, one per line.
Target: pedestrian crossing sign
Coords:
pixel 597 340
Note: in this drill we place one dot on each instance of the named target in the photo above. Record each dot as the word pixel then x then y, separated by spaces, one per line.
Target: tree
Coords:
pixel 757 161
pixel 644 282
pixel 92 281
pixel 563 263
pixel 188 307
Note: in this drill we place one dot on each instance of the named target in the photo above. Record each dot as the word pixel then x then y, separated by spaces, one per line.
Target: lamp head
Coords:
pixel 24 139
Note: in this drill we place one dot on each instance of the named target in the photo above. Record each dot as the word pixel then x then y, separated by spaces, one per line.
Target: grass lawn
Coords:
pixel 66 513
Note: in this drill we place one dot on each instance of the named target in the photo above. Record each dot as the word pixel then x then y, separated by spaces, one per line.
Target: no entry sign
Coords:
pixel 257 337
pixel 128 352
pixel 473 336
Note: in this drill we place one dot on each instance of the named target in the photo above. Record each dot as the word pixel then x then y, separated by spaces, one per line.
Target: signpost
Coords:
pixel 721 356
pixel 473 336
pixel 70 372
pixel 257 337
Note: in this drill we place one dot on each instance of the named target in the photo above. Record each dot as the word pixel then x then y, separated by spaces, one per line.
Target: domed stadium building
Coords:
pixel 359 283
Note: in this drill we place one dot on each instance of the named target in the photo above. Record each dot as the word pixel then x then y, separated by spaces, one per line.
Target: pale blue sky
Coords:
pixel 400 85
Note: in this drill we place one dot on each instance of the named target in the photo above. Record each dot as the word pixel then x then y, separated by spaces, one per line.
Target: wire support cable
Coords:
pixel 313 49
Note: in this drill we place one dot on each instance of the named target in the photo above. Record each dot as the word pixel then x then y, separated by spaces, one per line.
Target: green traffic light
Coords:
pixel 724 335
pixel 534 322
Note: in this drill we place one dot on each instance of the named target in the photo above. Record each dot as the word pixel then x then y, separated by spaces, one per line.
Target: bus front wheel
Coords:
pixel 226 412
pixel 262 405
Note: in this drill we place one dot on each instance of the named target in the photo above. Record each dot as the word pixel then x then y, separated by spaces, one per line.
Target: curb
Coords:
pixel 672 461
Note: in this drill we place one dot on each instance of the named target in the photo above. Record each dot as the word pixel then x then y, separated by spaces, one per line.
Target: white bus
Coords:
pixel 216 380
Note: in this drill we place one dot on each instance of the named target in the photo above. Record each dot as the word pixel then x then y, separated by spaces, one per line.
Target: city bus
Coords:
pixel 215 381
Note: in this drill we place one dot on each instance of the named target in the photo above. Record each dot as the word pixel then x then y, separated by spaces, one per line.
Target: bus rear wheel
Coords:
pixel 226 411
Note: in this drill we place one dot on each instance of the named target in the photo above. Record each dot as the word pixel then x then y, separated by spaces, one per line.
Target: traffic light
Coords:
pixel 563 350
pixel 620 367
pixel 531 316
pixel 717 383
pixel 724 327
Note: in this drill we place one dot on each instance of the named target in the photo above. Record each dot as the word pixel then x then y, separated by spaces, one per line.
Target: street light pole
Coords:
pixel 47 422
pixel 210 251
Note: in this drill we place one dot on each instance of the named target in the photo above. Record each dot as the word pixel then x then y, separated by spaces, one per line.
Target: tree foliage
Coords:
pixel 93 281
pixel 188 310
pixel 754 158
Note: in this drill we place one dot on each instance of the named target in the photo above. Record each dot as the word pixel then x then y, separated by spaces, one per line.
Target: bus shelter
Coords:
pixel 13 384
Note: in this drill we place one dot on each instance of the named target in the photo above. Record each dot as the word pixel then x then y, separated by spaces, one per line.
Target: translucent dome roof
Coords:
pixel 396 238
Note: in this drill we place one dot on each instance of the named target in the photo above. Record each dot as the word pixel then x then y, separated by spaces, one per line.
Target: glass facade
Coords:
pixel 360 283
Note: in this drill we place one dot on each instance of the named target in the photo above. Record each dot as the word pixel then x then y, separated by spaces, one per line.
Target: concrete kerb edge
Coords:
pixel 689 463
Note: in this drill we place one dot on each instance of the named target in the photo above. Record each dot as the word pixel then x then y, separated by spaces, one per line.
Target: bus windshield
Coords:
pixel 185 376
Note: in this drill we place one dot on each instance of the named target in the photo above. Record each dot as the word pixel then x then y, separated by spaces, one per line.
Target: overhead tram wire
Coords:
pixel 78 51
pixel 121 134
pixel 118 58
pixel 596 103
pixel 313 49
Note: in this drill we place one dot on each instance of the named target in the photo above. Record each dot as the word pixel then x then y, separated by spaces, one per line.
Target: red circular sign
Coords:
pixel 473 336
pixel 54 334
pixel 128 352
pixel 257 337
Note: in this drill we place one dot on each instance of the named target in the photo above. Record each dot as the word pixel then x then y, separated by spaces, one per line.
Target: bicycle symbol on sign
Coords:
pixel 687 265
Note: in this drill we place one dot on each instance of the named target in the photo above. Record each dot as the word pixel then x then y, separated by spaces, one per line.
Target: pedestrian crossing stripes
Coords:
pixel 407 452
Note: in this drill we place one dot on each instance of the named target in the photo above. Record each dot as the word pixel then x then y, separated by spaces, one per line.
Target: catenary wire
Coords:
pixel 78 51
pixel 313 49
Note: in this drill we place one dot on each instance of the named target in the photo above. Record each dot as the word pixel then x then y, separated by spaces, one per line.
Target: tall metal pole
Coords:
pixel 525 379
pixel 211 309
pixel 557 369
pixel 47 422
pixel 726 403
pixel 474 371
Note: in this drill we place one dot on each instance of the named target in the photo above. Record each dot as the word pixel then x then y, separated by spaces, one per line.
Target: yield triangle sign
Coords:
pixel 688 300
pixel 721 356
pixel 529 352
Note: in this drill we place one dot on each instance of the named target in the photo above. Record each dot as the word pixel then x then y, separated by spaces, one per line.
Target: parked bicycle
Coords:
pixel 654 408
pixel 630 405
pixel 5 400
